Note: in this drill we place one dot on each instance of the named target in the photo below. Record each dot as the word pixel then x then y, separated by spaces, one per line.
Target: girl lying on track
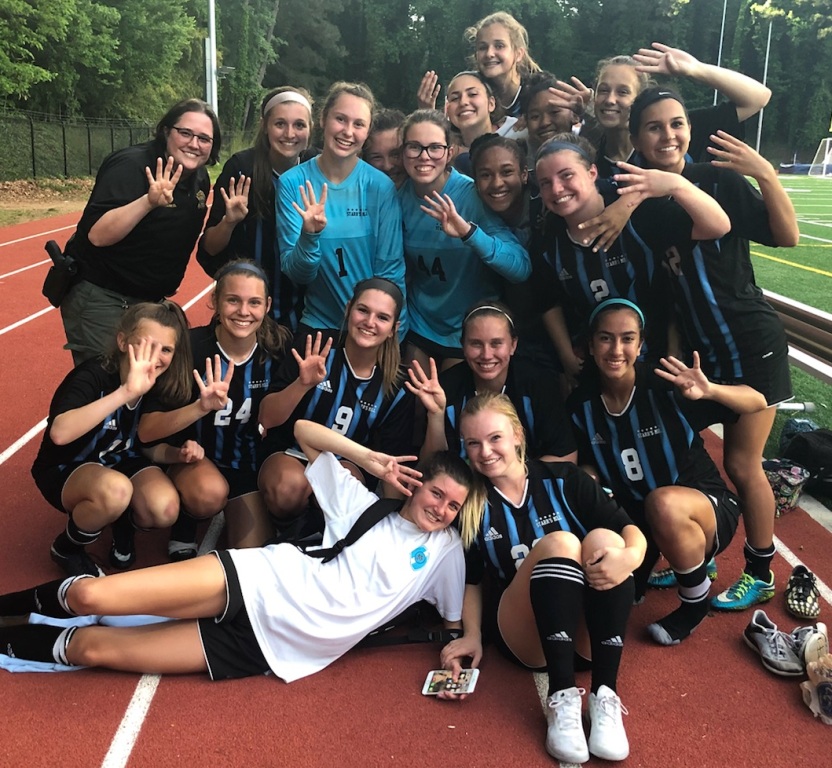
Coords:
pixel 240 613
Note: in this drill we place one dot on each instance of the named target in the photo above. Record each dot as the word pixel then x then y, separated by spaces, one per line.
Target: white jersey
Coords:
pixel 306 613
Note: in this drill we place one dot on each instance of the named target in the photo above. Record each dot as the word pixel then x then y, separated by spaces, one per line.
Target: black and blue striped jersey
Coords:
pixel 570 275
pixel 255 238
pixel 722 312
pixel 536 399
pixel 109 442
pixel 653 442
pixel 559 497
pixel 351 405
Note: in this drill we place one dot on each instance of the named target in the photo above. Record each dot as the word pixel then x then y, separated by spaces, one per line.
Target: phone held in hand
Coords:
pixel 442 680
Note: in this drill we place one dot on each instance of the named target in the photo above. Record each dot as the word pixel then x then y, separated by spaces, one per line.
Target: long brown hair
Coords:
pixel 272 338
pixel 174 385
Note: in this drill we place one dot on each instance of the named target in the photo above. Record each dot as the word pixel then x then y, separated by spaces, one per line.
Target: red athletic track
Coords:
pixel 707 702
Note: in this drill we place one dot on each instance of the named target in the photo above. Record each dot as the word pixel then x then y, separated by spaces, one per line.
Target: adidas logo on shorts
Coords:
pixel 616 641
pixel 560 637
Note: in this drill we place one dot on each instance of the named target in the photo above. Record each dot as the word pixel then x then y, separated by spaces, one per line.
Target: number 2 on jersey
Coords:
pixel 223 418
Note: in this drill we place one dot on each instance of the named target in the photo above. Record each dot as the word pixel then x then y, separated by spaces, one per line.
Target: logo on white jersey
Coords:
pixel 492 534
pixel 419 558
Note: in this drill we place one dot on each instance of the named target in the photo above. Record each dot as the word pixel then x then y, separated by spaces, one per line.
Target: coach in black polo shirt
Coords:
pixel 140 225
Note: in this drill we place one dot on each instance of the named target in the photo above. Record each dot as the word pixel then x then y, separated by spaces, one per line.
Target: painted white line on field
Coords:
pixel 134 716
pixel 23 269
pixel 39 234
pixel 21 441
pixel 819 239
pixel 25 320
pixel 132 722
pixel 195 299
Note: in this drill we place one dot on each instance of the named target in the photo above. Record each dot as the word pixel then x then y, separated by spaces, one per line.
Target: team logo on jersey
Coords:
pixel 259 384
pixel 649 432
pixel 614 261
pixel 200 199
pixel 325 386
pixel 597 440
pixel 555 517
pixel 492 534
pixel 366 405
pixel 356 212
pixel 564 275
pixel 419 558
pixel 111 425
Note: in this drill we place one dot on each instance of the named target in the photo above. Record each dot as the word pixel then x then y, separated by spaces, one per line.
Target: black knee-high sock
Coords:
pixel 48 599
pixel 758 561
pixel 185 528
pixel 74 538
pixel 556 591
pixel 606 613
pixel 36 642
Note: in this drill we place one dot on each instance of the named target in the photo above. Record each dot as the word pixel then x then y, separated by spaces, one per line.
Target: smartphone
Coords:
pixel 439 680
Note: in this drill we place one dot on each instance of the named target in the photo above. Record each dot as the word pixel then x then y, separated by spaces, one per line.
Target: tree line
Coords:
pixel 132 58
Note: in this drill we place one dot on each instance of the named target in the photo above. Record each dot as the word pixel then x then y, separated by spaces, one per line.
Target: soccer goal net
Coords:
pixel 822 164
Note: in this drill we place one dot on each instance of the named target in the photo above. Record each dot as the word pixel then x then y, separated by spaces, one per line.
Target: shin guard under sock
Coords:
pixel 48 599
pixel 758 561
pixel 606 613
pixel 556 593
pixel 36 642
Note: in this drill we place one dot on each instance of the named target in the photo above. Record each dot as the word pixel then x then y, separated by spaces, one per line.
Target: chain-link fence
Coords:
pixel 36 146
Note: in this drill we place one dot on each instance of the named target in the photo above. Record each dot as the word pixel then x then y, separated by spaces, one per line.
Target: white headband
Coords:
pixel 279 98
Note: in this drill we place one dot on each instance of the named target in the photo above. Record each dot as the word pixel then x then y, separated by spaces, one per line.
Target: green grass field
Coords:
pixel 803 273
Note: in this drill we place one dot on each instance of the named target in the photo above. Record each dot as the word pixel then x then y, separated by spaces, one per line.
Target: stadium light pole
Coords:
pixel 765 77
pixel 211 58
pixel 721 39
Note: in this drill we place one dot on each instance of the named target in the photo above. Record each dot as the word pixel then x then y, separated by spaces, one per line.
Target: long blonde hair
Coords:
pixel 517 34
pixel 498 403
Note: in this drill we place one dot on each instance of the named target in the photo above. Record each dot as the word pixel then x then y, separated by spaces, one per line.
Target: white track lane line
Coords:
pixel 39 234
pixel 23 269
pixel 131 724
pixel 134 716
pixel 21 441
pixel 25 320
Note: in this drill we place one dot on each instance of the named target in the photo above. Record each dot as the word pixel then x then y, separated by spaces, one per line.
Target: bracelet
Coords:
pixel 470 233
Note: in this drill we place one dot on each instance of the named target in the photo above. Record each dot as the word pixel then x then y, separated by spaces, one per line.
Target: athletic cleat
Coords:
pixel 75 563
pixel 181 550
pixel 182 544
pixel 809 643
pixel 802 596
pixel 774 646
pixel 607 737
pixel 123 549
pixel 666 579
pixel 744 593
pixel 565 739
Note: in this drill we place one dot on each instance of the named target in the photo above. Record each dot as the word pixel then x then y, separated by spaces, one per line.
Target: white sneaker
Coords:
pixel 607 738
pixel 565 739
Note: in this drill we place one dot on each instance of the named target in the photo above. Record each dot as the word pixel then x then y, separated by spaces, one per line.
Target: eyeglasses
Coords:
pixel 414 150
pixel 189 136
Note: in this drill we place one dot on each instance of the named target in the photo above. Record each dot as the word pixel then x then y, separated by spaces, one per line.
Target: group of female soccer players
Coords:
pixel 417 309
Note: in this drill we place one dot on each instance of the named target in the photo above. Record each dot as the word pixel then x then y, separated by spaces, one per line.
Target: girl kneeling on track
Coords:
pixel 640 437
pixel 240 612
pixel 353 387
pixel 89 465
pixel 462 260
pixel 722 312
pixel 241 351
pixel 555 550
